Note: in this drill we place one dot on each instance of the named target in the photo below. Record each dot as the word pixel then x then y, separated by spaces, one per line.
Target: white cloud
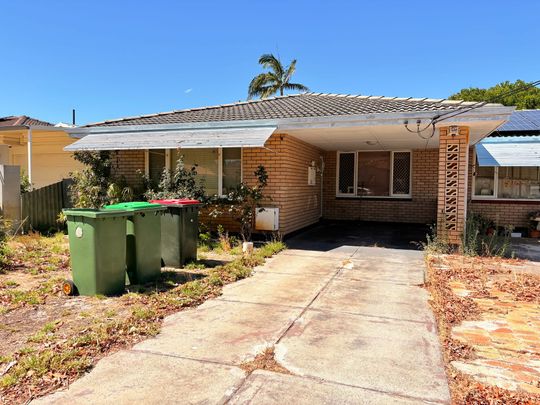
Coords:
pixel 187 91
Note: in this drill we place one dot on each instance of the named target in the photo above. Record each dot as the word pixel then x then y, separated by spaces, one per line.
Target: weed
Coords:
pixel 482 238
pixel 46 333
pixel 194 290
pixel 11 283
pixel 196 265
pixel 142 313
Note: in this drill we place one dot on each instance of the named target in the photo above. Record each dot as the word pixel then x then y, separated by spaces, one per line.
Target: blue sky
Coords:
pixel 110 59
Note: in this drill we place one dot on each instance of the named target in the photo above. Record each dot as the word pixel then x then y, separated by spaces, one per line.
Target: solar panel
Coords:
pixel 522 120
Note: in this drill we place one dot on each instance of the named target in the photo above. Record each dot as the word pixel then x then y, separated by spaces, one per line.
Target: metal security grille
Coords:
pixel 346 173
pixel 401 183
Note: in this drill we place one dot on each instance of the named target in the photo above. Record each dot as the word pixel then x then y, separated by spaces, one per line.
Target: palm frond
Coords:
pixel 258 82
pixel 270 91
pixel 290 71
pixel 269 61
pixel 295 86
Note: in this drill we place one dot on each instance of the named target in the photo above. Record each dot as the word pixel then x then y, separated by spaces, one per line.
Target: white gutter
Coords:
pixel 486 113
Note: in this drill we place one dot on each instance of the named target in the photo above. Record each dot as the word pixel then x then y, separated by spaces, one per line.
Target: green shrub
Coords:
pixel 182 182
pixel 95 186
pixel 482 237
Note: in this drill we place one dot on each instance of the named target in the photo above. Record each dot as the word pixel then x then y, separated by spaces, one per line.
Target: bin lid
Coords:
pixel 133 206
pixel 93 213
pixel 176 201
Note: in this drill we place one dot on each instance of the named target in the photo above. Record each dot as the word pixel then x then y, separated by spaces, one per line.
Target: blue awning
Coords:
pixel 509 151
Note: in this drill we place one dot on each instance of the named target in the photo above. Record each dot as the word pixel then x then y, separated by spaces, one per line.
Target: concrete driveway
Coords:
pixel 350 323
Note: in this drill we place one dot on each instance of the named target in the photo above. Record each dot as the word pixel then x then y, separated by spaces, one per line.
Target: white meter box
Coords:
pixel 267 219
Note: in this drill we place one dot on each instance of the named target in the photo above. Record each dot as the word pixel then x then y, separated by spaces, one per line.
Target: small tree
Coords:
pixel 95 186
pixel 244 202
pixel 180 183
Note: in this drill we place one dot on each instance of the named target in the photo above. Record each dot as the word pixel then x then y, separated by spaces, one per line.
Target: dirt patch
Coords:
pixel 488 315
pixel 264 361
pixel 47 340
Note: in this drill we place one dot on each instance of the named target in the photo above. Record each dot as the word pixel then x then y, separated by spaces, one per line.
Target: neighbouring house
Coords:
pixel 331 156
pixel 38 148
pixel 505 180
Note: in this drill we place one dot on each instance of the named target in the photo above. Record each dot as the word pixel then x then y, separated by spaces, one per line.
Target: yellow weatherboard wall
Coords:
pixel 50 163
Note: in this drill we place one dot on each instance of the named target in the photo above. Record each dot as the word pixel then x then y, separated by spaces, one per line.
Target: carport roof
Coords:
pixel 293 106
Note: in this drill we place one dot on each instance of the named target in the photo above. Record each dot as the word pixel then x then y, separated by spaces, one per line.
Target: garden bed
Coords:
pixel 47 340
pixel 488 313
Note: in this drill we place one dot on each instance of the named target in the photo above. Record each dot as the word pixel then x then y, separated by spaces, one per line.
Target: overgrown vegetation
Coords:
pixel 71 339
pixel 95 185
pixel 26 186
pixel 242 203
pixel 181 182
pixel 482 237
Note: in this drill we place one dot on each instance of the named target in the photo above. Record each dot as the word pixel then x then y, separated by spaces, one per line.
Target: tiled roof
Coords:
pixel 292 106
pixel 14 121
pixel 522 120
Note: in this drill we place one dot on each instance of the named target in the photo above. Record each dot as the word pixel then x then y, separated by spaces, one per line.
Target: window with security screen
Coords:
pixel 401 173
pixel 374 174
pixel 346 173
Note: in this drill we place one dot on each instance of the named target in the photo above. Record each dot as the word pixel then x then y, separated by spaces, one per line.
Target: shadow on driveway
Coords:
pixel 330 235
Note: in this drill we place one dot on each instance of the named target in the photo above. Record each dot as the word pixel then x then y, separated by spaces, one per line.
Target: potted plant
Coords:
pixel 534 224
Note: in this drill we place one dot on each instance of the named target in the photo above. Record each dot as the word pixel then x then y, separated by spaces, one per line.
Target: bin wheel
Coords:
pixel 68 288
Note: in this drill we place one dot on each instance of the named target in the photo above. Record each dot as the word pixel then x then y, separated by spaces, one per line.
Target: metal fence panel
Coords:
pixel 40 207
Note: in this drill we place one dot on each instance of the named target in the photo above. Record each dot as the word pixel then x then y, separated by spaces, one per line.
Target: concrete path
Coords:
pixel 351 324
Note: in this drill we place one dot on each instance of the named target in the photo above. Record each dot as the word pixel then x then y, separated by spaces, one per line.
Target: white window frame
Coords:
pixel 495 187
pixel 391 174
pixel 220 165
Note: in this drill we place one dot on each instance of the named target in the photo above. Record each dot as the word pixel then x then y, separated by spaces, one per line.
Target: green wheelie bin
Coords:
pixel 98 251
pixel 142 237
pixel 179 231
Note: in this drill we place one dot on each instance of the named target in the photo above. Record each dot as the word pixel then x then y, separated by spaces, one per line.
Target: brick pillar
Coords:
pixel 453 177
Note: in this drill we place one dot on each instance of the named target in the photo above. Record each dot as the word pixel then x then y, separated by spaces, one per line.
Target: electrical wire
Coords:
pixel 463 110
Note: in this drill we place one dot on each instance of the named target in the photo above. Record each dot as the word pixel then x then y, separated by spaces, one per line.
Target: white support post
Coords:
pixel 29 146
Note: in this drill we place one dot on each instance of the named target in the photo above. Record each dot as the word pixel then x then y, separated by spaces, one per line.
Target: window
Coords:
pixel 206 161
pixel 156 164
pixel 232 169
pixel 346 173
pixel 219 170
pixel 507 182
pixel 374 174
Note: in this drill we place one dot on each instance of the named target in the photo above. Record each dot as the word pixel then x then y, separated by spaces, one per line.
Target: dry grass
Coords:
pixel 264 361
pixel 39 354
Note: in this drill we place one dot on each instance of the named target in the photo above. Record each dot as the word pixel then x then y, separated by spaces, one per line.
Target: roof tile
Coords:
pixel 290 106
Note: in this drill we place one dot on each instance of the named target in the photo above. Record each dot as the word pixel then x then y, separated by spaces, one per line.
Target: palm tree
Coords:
pixel 277 79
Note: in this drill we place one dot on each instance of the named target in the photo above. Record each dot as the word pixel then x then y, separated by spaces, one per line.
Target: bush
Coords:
pixel 436 244
pixel 180 183
pixel 95 185
pixel 243 203
pixel 483 238
pixel 26 186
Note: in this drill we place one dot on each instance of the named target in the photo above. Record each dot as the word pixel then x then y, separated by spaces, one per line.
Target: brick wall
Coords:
pixel 420 208
pixel 286 160
pixel 129 164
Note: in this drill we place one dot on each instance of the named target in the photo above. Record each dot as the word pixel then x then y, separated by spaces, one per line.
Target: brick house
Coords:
pixel 327 155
